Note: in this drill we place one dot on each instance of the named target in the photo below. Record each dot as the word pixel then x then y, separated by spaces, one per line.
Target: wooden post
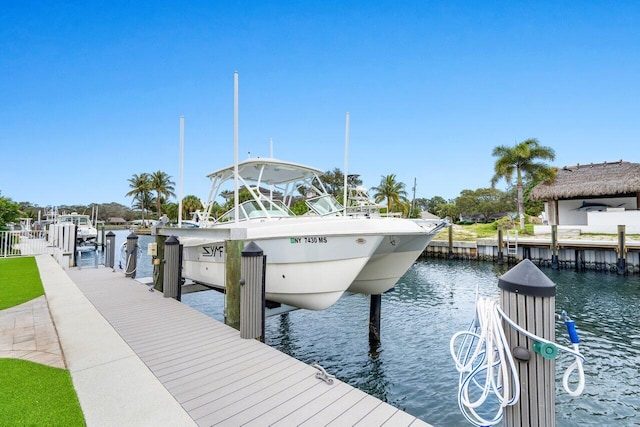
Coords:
pixel 232 282
pixel 500 246
pixel 131 257
pixel 158 269
pixel 554 247
pixel 172 269
pixel 451 241
pixel 580 260
pixel 375 311
pixel 110 250
pixel 528 298
pixel 622 251
pixel 252 292
pixel 75 246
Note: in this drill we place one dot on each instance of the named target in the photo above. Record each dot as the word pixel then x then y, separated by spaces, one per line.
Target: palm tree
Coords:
pixel 163 186
pixel 190 204
pixel 391 190
pixel 140 190
pixel 522 159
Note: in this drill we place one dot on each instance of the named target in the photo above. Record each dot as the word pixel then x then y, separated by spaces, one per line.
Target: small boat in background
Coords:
pixel 86 231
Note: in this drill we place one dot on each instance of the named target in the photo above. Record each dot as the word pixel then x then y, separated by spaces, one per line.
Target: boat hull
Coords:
pixel 85 234
pixel 389 262
pixel 309 272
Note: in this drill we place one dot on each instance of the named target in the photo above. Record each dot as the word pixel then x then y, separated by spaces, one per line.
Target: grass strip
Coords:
pixel 19 281
pixel 37 395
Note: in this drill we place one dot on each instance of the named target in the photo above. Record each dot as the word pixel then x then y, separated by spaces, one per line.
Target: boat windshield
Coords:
pixel 324 205
pixel 78 220
pixel 251 209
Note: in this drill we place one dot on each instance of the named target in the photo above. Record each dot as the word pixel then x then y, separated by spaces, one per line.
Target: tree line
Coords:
pixel 151 193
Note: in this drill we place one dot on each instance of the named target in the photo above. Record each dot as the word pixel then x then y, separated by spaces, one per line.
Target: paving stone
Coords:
pixel 27 332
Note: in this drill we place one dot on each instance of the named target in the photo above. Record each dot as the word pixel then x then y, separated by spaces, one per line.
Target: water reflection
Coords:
pixel 373 374
pixel 285 339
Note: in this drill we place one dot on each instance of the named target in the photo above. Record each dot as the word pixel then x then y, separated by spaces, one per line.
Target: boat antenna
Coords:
pixel 235 144
pixel 346 164
pixel 413 201
pixel 181 171
pixel 271 157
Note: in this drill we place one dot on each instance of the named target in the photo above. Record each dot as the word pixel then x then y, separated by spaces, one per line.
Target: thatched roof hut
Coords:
pixel 591 181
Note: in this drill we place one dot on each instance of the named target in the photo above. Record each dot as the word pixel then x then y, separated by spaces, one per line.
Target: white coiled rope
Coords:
pixel 484 360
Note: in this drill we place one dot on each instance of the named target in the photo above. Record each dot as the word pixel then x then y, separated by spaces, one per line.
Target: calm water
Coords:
pixel 412 368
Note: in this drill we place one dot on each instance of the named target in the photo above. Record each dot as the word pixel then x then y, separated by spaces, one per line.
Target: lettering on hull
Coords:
pixel 308 240
pixel 213 251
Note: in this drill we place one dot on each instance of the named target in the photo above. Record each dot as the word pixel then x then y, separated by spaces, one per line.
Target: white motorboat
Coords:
pixel 86 231
pixel 312 259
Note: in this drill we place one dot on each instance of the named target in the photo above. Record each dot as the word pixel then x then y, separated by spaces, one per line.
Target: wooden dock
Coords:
pixel 218 377
pixel 581 254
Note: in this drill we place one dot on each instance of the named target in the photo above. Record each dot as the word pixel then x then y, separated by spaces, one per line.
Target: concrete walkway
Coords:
pixel 114 387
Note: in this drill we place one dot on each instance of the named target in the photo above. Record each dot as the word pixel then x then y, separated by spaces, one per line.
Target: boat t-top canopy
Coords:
pixel 272 175
pixel 267 171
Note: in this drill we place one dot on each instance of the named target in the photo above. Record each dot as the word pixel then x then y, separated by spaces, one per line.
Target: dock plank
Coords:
pixel 327 414
pixel 356 412
pixel 217 377
pixel 302 414
pixel 380 414
pixel 238 401
pixel 206 391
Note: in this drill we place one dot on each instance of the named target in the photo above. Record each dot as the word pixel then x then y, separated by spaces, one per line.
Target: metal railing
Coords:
pixel 23 243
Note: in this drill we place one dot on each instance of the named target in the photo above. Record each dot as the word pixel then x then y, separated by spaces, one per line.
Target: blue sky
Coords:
pixel 92 92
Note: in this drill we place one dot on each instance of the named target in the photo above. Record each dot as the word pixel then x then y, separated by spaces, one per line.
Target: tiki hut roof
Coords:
pixel 594 180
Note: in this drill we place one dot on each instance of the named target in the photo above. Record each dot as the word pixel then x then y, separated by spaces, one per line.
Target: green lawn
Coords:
pixel 37 395
pixel 472 232
pixel 32 394
pixel 19 281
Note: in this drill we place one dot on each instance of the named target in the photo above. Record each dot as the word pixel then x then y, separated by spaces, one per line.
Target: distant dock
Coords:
pixel 573 253
pixel 216 377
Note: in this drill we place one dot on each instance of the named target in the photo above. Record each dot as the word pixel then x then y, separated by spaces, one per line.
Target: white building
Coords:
pixel 593 198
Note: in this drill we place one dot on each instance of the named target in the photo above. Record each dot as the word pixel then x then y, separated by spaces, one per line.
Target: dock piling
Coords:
pixel 500 246
pixel 109 257
pixel 232 282
pixel 76 253
pixel 172 268
pixel 621 250
pixel 528 298
pixel 375 311
pixel 158 269
pixel 131 259
pixel 554 247
pixel 252 292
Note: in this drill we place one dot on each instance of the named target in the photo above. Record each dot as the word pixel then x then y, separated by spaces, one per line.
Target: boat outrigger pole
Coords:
pixel 235 144
pixel 346 164
pixel 181 171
